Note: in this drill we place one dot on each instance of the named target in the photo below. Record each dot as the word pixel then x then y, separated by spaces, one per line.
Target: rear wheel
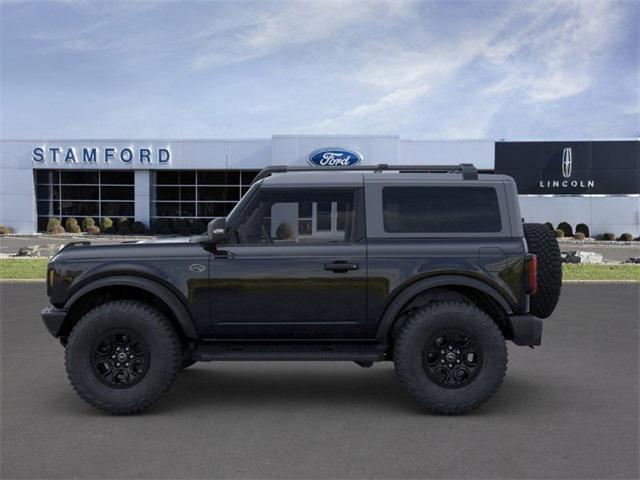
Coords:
pixel 542 242
pixel 122 356
pixel 451 357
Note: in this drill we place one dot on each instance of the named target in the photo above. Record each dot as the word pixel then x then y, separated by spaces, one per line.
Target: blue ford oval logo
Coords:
pixel 334 157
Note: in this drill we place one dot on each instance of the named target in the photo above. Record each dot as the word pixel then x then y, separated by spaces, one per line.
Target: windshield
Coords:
pixel 232 214
pixel 234 211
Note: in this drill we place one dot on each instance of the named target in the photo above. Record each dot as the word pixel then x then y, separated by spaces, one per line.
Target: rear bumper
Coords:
pixel 53 319
pixel 527 329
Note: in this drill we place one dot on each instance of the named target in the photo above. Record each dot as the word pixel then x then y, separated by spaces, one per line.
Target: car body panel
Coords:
pixel 278 292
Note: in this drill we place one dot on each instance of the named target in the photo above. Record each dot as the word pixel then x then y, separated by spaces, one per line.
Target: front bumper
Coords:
pixel 53 319
pixel 527 329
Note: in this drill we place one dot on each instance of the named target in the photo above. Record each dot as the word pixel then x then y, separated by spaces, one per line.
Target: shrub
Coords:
pixel 106 225
pixel 5 230
pixel 199 227
pixel 57 230
pixel 579 236
pixel 559 233
pixel 583 228
pixel 71 225
pixel 162 226
pixel 93 230
pixel 124 226
pixel 88 222
pixel 181 226
pixel 626 237
pixel 566 228
pixel 70 222
pixel 607 236
pixel 550 226
pixel 52 224
pixel 138 228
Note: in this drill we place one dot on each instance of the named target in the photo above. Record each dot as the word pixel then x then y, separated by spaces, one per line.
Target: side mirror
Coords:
pixel 217 230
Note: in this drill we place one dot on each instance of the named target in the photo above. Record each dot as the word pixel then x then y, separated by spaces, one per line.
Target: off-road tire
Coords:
pixel 146 322
pixel 542 242
pixel 426 323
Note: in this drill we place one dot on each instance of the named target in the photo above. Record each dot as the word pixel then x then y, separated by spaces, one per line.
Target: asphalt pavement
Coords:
pixel 568 409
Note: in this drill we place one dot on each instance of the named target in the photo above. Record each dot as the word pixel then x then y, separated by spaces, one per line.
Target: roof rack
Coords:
pixel 468 170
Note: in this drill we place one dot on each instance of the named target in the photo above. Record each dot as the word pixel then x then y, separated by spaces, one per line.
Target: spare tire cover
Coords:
pixel 542 242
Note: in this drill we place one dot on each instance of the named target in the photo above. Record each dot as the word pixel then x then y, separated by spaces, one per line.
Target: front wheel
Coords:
pixel 122 356
pixel 451 357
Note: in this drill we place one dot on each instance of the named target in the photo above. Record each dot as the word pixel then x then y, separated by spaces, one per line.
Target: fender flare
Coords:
pixel 407 293
pixel 176 306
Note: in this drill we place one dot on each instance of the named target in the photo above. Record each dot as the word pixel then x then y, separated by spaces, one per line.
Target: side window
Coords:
pixel 440 210
pixel 298 216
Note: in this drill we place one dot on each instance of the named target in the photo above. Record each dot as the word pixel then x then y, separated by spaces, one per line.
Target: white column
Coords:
pixel 142 196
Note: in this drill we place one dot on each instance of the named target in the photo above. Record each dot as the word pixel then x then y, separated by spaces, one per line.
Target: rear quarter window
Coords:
pixel 440 210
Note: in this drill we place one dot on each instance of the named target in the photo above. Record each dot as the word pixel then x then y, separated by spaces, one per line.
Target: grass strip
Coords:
pixel 36 268
pixel 601 272
pixel 18 269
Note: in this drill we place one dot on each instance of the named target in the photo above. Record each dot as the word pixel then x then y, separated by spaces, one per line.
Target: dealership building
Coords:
pixel 596 182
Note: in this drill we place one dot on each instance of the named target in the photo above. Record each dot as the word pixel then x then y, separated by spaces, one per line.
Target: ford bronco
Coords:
pixel 430 267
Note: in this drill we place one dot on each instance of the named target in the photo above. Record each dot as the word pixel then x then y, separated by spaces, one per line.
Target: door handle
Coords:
pixel 341 266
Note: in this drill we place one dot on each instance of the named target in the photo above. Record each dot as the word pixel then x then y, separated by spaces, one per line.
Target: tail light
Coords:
pixel 532 273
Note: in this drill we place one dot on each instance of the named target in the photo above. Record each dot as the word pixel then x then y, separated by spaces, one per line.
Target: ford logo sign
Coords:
pixel 334 157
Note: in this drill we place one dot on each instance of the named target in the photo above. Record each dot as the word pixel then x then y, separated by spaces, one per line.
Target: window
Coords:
pixel 88 193
pixel 440 210
pixel 198 193
pixel 298 216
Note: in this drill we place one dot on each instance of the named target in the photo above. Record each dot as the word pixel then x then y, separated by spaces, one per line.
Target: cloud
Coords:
pixel 552 58
pixel 420 69
pixel 394 101
pixel 542 53
pixel 286 25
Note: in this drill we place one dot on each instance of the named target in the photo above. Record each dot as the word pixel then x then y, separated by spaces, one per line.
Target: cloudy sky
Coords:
pixel 424 70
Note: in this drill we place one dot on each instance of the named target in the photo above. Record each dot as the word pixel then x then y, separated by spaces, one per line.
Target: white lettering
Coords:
pixel 331 159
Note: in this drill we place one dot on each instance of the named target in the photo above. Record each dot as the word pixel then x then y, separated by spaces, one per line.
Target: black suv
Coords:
pixel 428 266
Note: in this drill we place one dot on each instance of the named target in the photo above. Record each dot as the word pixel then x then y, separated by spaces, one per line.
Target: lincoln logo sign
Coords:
pixel 334 157
pixel 93 155
pixel 567 160
pixel 567 167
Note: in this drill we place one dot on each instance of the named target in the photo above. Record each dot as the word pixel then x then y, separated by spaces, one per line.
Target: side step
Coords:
pixel 226 351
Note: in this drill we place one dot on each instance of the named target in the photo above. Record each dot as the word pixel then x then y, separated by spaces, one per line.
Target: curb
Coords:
pixel 600 281
pixel 22 280
pixel 42 280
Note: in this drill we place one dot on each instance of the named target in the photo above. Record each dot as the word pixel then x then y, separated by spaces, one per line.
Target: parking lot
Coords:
pixel 568 409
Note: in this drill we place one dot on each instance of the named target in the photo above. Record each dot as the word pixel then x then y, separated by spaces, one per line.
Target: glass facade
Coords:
pixel 86 193
pixel 197 193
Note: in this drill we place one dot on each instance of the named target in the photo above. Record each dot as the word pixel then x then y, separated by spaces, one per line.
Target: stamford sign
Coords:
pixel 95 155
pixel 334 157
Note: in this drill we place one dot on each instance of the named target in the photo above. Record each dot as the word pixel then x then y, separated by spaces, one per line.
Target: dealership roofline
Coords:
pixel 265 139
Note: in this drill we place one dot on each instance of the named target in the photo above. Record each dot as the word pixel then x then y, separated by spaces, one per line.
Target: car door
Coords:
pixel 295 267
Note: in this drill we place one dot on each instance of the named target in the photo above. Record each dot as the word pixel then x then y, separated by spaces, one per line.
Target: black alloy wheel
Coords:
pixel 120 359
pixel 452 358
